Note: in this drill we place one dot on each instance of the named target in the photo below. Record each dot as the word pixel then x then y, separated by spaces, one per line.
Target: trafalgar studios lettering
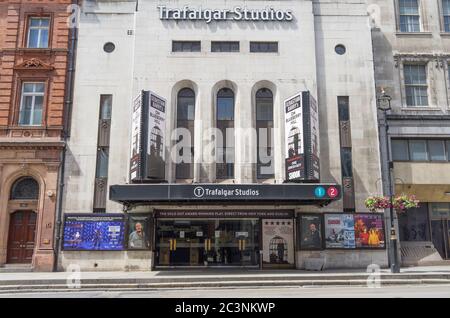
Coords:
pixel 235 14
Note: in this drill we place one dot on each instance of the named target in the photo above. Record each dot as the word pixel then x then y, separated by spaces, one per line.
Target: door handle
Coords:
pixel 207 244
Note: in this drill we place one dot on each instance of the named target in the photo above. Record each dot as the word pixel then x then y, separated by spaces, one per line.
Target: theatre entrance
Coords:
pixel 207 242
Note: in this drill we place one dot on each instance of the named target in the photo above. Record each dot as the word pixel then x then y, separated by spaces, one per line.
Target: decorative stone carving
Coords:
pixel 34 64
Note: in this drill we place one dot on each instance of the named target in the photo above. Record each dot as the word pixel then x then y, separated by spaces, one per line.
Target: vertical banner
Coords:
pixel 293 108
pixel 156 136
pixel 136 139
pixel 148 138
pixel 339 231
pixel 302 138
pixel 311 137
pixel 278 243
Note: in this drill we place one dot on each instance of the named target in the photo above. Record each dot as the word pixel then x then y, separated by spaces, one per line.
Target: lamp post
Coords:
pixel 384 105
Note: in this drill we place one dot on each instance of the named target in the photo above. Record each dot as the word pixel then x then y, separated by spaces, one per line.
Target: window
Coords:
pixel 264 47
pixel 414 225
pixel 225 124
pixel 400 150
pixel 346 158
pixel 409 15
pixel 31 104
pixel 109 47
pixel 447 146
pixel 38 30
pixel 186 46
pixel 264 131
pixel 340 49
pixel 102 162
pixel 436 149
pixel 416 85
pixel 446 14
pixel 26 188
pixel 420 150
pixel 105 107
pixel 224 46
pixel 185 119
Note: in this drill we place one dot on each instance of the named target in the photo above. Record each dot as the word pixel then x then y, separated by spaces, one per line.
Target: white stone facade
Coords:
pixel 143 60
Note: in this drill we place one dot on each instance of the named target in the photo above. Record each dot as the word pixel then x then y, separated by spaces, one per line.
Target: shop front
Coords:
pixel 230 235
pixel 224 239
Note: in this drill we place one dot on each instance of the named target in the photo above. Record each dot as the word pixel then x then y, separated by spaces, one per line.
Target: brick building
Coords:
pixel 34 51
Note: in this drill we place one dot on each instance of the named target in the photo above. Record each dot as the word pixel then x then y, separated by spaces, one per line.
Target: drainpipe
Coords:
pixel 68 103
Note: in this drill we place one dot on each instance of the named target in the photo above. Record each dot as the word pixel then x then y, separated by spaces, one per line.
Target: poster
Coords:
pixel 293 107
pixel 314 164
pixel 310 232
pixel 156 136
pixel 93 232
pixel 139 232
pixel 339 231
pixel 369 231
pixel 136 138
pixel 278 242
pixel 302 160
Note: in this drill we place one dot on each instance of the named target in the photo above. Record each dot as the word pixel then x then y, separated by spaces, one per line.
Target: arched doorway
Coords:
pixel 22 224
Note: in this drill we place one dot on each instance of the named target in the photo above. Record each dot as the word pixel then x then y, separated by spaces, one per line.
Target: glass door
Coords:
pixel 233 243
pixel 211 242
pixel 441 237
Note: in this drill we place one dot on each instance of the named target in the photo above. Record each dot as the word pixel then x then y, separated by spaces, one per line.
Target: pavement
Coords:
pixel 216 278
pixel 409 291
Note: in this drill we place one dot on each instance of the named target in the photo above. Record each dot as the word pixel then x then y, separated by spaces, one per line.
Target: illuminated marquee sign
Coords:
pixel 235 14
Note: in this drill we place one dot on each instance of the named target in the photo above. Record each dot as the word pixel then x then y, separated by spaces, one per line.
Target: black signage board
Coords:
pixel 287 193
pixel 225 214
pixel 302 138
pixel 147 163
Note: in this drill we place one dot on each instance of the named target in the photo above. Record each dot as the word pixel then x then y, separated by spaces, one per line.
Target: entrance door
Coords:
pixel 441 237
pixel 219 242
pixel 21 239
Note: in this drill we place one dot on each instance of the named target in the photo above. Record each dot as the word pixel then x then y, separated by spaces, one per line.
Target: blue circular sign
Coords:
pixel 320 192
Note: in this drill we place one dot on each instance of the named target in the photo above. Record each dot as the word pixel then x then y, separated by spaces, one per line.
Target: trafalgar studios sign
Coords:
pixel 235 14
pixel 302 138
pixel 148 137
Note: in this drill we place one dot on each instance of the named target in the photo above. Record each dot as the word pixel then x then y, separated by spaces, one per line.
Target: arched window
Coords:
pixel 264 131
pixel 25 188
pixel 185 119
pixel 225 121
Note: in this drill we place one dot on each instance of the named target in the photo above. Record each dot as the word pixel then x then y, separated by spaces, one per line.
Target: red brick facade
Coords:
pixel 31 150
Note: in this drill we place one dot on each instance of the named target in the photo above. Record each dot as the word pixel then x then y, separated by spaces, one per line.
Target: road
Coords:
pixel 422 291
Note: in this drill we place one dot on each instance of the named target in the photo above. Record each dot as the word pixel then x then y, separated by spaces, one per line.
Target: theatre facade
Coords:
pixel 222 134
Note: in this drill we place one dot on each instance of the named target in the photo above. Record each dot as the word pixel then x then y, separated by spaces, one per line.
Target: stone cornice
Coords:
pixel 440 58
pixel 32 145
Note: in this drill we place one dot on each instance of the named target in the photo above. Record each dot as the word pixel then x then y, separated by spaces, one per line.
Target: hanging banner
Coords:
pixel 136 139
pixel 94 232
pixel 278 243
pixel 339 231
pixel 156 136
pixel 293 108
pixel 302 138
pixel 148 138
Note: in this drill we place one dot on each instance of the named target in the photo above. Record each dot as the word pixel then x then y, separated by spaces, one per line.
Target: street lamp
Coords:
pixel 384 105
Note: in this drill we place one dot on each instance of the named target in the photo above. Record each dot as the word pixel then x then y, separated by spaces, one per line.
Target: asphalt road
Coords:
pixel 422 291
